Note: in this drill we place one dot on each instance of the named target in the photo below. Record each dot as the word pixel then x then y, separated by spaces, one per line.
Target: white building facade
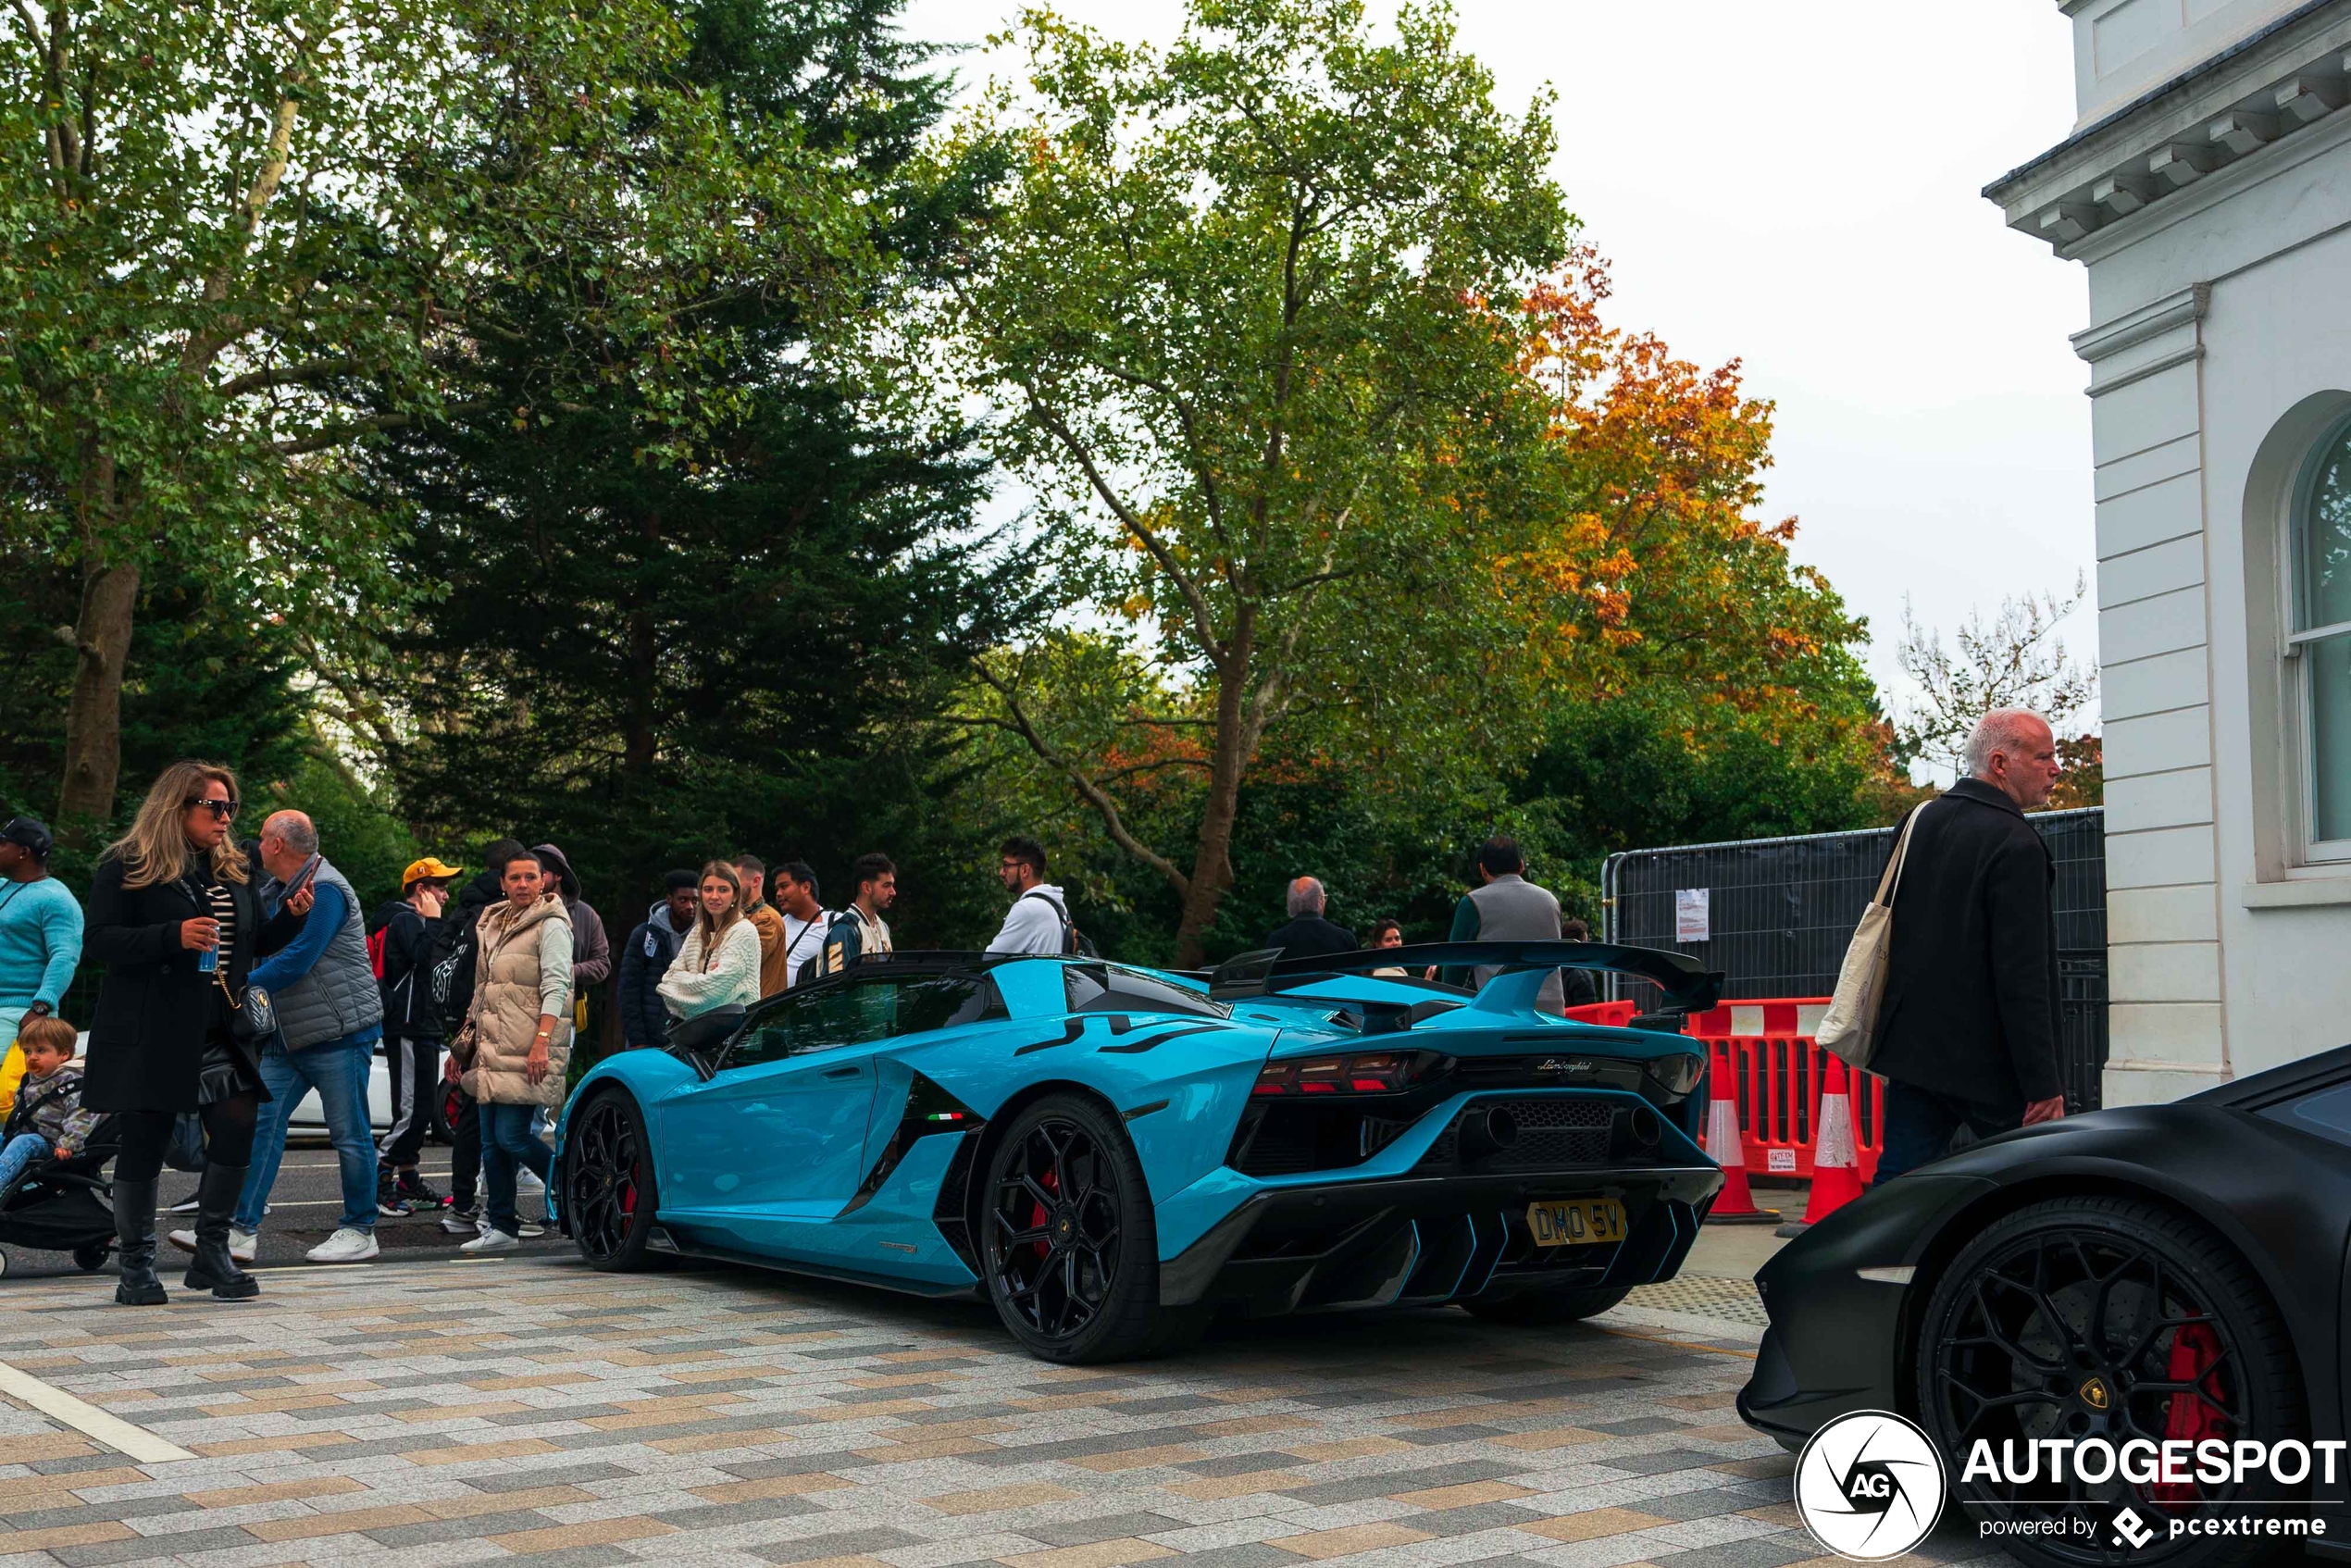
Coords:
pixel 2206 188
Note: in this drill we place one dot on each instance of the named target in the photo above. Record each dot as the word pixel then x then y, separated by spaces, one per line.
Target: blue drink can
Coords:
pixel 208 960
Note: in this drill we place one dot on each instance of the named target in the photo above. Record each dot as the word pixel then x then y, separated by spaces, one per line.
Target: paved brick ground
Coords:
pixel 532 1410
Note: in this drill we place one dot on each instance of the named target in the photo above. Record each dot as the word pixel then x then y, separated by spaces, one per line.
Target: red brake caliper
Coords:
pixel 629 1193
pixel 2195 1350
pixel 1037 1220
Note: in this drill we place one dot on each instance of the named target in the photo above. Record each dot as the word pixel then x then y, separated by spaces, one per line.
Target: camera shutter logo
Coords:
pixel 1870 1487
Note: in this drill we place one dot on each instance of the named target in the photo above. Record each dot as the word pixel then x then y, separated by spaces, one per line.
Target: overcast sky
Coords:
pixel 1795 186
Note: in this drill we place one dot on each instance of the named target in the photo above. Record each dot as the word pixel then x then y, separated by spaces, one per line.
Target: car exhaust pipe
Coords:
pixel 1488 1134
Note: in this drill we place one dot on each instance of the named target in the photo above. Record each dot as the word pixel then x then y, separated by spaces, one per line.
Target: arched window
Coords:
pixel 2319 641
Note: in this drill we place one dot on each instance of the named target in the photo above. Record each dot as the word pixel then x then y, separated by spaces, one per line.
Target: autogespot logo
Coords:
pixel 1869 1486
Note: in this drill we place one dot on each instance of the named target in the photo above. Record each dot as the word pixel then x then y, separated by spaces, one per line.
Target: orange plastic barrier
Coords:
pixel 1779 1074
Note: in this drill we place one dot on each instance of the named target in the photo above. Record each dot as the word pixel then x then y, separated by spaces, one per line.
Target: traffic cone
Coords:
pixel 1735 1204
pixel 1836 1167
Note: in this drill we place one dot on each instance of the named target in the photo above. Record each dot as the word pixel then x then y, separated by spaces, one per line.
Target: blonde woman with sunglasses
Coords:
pixel 175 919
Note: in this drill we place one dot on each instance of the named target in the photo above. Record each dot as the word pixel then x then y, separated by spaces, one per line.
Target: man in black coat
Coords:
pixel 1968 1032
pixel 1308 935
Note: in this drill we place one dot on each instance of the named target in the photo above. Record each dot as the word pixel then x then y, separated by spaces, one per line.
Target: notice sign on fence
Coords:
pixel 1690 914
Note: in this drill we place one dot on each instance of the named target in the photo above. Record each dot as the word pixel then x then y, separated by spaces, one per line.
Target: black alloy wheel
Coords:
pixel 2110 1318
pixel 1067 1240
pixel 608 1188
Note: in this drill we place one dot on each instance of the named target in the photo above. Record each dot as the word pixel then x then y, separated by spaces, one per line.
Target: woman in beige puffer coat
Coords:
pixel 516 1040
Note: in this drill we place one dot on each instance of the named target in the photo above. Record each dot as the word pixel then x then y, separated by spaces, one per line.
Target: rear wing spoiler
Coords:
pixel 1690 986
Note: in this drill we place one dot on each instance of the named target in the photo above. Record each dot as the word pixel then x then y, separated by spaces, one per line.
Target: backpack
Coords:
pixel 1074 941
pixel 375 950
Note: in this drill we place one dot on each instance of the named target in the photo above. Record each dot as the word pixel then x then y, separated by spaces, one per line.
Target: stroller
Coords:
pixel 64 1205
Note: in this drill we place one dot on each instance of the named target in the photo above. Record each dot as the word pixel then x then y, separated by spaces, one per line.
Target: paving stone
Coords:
pixel 839 1543
pixel 1240 1463
pixel 1764 1551
pixel 1650 1464
pixel 1640 1427
pixel 1429 1437
pixel 472 1527
pixel 1469 1521
pixel 544 1476
pixel 1080 1532
pixel 147 1548
pixel 1389 1483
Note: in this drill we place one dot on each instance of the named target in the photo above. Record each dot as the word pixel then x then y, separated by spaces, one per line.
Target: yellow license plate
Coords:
pixel 1577 1221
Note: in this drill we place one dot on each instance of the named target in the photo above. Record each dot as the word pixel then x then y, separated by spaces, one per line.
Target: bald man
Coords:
pixel 1307 934
pixel 329 1017
pixel 1968 1031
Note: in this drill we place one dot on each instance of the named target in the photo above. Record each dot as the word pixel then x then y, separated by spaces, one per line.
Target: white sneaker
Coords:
pixel 460 1222
pixel 242 1244
pixel 530 1230
pixel 185 1206
pixel 527 1185
pixel 345 1246
pixel 490 1242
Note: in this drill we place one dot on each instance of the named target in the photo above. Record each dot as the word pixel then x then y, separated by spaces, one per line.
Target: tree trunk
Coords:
pixel 1211 856
pixel 102 641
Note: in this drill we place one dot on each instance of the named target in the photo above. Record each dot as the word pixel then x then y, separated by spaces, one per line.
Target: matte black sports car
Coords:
pixel 2166 1273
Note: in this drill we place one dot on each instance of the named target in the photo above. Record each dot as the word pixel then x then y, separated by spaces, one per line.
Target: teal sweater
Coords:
pixel 40 941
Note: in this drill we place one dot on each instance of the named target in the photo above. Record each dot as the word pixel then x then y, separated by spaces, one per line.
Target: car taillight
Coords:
pixel 1677 1074
pixel 1382 1072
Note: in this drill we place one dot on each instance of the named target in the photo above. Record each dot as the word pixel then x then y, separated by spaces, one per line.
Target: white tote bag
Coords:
pixel 1848 1030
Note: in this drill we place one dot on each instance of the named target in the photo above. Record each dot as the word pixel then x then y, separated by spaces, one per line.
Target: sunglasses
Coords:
pixel 225 810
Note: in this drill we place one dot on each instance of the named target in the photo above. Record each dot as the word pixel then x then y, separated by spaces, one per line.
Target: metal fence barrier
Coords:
pixel 1779 913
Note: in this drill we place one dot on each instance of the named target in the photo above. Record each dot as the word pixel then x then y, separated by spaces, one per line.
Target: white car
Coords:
pixel 307 1116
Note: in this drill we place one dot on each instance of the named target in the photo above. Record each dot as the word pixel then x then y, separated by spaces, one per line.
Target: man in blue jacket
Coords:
pixel 329 1016
pixel 645 958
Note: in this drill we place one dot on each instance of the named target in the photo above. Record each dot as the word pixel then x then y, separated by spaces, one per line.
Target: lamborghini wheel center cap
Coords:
pixel 1064 1226
pixel 2095 1395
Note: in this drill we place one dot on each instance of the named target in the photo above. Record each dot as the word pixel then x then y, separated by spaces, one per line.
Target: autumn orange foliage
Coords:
pixel 1654 565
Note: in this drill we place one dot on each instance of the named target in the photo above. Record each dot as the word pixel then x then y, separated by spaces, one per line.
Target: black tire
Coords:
pixel 1533 1309
pixel 2111 1317
pixel 610 1191
pixel 1068 1243
pixel 91 1257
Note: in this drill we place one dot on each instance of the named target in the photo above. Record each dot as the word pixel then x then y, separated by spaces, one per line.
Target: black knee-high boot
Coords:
pixel 213 1269
pixel 134 1233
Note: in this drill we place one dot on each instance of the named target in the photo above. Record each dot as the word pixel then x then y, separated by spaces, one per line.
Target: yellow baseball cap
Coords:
pixel 428 868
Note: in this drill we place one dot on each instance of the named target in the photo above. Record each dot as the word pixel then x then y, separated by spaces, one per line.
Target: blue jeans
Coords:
pixel 507 1143
pixel 1920 1124
pixel 338 1070
pixel 25 1149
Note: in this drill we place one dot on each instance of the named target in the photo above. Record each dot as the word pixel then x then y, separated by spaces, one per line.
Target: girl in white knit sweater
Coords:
pixel 718 962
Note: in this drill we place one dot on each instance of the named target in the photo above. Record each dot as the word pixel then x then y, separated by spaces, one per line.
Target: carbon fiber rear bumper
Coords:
pixel 1425 1240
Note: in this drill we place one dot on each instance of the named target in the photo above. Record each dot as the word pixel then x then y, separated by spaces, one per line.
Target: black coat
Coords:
pixel 1311 936
pixel 1971 1005
pixel 154 1005
pixel 411 947
pixel 645 957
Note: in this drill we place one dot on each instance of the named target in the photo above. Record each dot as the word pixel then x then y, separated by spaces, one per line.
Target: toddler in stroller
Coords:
pixel 51 1151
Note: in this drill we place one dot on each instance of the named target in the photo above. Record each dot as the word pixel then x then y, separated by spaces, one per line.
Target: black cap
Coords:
pixel 31 835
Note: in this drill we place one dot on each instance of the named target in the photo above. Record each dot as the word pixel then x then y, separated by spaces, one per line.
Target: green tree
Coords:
pixel 1251 307
pixel 245 234
pixel 652 643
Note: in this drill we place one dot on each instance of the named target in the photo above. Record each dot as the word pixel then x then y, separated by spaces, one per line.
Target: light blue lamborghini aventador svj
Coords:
pixel 1113 1155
